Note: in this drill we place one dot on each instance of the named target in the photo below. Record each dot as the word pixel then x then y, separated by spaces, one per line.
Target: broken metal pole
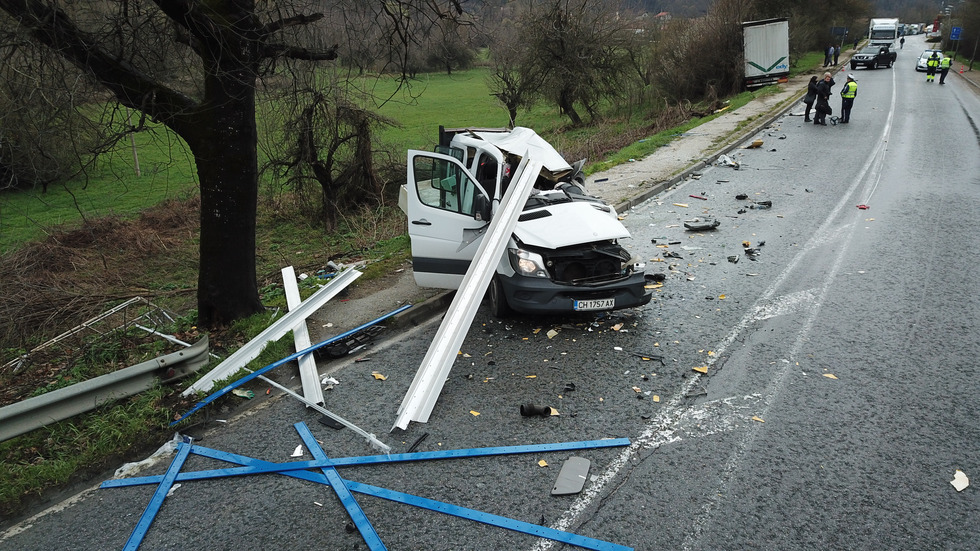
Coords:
pixel 438 361
pixel 291 357
pixel 301 339
pixel 372 439
pixel 274 332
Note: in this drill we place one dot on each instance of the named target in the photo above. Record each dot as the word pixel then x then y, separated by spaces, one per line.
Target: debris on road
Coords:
pixel 758 419
pixel 725 160
pixel 830 376
pixel 243 393
pixel 379 376
pixel 960 481
pixel 754 145
pixel 705 224
pixel 572 476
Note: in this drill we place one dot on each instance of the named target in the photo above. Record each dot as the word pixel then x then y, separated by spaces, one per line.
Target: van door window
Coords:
pixel 444 185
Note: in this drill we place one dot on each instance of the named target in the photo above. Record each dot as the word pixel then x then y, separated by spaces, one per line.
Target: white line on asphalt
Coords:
pixel 661 429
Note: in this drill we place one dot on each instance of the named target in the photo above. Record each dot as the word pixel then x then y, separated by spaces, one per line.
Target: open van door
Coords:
pixel 448 213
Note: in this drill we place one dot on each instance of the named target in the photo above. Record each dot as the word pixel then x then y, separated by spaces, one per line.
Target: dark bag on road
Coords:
pixel 825 108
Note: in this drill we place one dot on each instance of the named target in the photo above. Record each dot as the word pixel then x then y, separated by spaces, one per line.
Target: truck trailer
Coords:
pixel 766 44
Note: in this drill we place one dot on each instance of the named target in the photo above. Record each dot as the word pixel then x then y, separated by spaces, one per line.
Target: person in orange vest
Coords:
pixel 931 65
pixel 847 95
pixel 944 69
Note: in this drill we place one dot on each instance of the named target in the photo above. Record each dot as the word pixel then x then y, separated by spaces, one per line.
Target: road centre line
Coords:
pixel 661 429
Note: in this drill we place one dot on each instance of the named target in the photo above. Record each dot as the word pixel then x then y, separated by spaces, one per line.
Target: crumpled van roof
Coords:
pixel 522 142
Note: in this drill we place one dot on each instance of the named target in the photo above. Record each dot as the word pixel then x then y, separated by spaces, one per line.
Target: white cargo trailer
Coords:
pixel 766 51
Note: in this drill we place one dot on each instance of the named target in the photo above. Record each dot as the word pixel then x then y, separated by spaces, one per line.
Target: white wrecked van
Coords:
pixel 564 254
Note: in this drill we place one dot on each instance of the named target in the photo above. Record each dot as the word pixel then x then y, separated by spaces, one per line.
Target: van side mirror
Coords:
pixel 481 207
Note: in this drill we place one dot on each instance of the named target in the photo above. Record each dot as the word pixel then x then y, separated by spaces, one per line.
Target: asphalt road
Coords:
pixel 838 401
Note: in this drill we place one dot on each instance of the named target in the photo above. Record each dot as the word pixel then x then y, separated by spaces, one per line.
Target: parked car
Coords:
pixel 872 57
pixel 920 65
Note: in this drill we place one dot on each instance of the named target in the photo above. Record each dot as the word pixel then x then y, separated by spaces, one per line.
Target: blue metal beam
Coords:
pixel 441 507
pixel 339 486
pixel 283 468
pixel 183 450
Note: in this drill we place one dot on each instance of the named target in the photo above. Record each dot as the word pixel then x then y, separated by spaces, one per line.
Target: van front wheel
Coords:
pixel 498 300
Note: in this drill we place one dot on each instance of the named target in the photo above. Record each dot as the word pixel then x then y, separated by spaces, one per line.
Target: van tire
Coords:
pixel 498 300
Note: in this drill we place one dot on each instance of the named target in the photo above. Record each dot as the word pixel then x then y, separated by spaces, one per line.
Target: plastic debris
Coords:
pixel 755 144
pixel 298 452
pixel 542 463
pixel 701 197
pixel 552 333
pixel 759 419
pixel 960 481
pixel 702 225
pixel 474 413
pixel 733 259
pixel 830 376
pixel 701 369
pixel 725 160
pixel 243 393
pixel 863 207
pixel 685 205
pixel 379 376
pixel 762 205
pixel 656 398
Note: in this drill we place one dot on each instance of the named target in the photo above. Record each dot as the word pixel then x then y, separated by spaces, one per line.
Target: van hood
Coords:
pixel 565 224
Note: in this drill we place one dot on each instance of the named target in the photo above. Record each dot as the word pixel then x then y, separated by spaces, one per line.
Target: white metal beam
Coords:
pixel 312 390
pixel 438 361
pixel 274 332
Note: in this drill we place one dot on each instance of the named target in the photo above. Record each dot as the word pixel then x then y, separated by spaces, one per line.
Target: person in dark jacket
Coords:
pixel 823 99
pixel 810 97
pixel 836 54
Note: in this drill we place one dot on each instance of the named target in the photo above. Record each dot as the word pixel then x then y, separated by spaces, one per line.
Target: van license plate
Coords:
pixel 596 304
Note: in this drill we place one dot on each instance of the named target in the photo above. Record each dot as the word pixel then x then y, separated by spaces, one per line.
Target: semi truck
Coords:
pixel 883 31
pixel 766 44
pixel 564 254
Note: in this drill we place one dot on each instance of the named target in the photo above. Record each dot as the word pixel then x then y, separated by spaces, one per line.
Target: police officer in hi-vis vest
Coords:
pixel 931 65
pixel 944 69
pixel 847 94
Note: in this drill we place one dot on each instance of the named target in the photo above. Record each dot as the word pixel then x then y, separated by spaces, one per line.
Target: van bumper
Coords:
pixel 539 296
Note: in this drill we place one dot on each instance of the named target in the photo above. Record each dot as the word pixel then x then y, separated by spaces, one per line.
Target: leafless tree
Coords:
pixel 583 47
pixel 515 78
pixel 193 66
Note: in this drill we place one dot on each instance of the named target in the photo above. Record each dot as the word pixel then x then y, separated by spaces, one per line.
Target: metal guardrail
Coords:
pixel 57 405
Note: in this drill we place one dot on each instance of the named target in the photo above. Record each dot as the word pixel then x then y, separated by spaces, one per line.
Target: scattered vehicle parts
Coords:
pixel 572 476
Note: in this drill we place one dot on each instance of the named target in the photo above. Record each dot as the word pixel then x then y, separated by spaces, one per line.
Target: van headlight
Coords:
pixel 527 264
